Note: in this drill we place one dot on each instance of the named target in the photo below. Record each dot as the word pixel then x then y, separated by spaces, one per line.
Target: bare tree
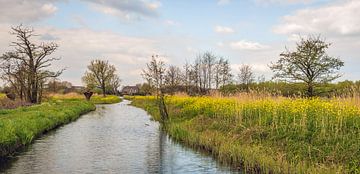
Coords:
pixel 261 78
pixel 217 73
pixel 246 76
pixel 224 72
pixel 173 78
pixel 208 71
pixel 155 75
pixel 99 74
pixel 196 73
pixel 309 63
pixel 114 84
pixel 208 66
pixel 187 76
pixel 26 65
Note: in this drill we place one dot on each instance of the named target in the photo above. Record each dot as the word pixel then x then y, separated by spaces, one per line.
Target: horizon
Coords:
pixel 127 33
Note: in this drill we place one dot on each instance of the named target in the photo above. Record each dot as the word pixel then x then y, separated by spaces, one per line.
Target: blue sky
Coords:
pixel 127 33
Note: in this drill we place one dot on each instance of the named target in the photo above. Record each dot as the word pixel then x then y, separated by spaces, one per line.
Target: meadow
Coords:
pixel 265 133
pixel 20 126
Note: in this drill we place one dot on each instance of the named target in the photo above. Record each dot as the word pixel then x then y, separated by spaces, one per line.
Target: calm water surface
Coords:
pixel 115 138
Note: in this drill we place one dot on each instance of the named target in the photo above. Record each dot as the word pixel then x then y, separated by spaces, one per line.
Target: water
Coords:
pixel 115 138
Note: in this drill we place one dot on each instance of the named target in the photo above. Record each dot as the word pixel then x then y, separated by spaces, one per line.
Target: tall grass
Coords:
pixel 270 134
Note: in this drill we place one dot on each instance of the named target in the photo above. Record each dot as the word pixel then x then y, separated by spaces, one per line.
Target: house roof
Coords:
pixel 125 88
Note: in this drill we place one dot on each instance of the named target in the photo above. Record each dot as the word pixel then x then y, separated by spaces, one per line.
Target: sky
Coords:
pixel 128 32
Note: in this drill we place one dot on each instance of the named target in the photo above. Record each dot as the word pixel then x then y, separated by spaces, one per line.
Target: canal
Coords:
pixel 116 138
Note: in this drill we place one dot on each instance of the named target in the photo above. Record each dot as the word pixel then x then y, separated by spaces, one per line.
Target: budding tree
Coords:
pixel 155 75
pixel 309 63
pixel 100 74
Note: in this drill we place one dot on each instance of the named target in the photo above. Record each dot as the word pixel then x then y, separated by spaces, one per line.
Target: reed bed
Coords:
pixel 266 133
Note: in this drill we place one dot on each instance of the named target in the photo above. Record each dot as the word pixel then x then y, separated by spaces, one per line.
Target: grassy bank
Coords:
pixel 277 135
pixel 20 126
pixel 109 99
pixel 96 99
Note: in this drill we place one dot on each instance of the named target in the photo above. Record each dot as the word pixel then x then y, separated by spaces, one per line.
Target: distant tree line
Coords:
pixel 306 71
pixel 205 73
pixel 299 89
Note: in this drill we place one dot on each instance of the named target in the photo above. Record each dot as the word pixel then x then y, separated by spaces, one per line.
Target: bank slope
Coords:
pixel 19 127
pixel 267 135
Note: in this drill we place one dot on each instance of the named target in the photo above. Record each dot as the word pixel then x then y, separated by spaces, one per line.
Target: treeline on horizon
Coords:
pixel 306 71
pixel 344 88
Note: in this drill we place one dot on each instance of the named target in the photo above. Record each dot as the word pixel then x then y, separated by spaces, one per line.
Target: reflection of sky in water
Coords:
pixel 112 139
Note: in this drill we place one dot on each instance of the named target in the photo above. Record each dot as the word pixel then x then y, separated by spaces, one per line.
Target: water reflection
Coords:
pixel 113 139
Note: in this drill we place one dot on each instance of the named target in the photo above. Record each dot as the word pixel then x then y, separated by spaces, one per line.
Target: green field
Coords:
pixel 278 135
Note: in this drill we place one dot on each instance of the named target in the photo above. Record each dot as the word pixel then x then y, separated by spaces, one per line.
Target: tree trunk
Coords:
pixel 162 107
pixel 103 90
pixel 310 90
pixel 34 92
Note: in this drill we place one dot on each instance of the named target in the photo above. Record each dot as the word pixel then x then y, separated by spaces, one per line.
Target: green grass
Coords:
pixel 268 135
pixel 109 99
pixel 96 99
pixel 19 127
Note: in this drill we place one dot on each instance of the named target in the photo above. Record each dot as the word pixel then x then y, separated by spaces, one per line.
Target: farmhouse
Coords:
pixel 130 90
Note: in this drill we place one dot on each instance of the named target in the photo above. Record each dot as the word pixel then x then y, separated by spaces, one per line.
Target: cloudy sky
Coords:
pixel 128 32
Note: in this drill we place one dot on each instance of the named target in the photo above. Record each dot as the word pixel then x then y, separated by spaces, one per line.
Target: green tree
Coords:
pixel 100 74
pixel 309 63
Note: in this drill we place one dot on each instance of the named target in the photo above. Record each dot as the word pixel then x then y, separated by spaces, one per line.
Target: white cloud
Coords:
pixel 220 44
pixel 284 1
pixel 20 11
pixel 247 45
pixel 223 2
pixel 128 10
pixel 77 47
pixel 256 67
pixel 338 22
pixel 337 19
pixel 171 23
pixel 223 29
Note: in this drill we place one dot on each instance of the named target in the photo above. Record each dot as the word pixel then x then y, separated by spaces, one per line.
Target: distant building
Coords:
pixel 130 90
pixel 78 88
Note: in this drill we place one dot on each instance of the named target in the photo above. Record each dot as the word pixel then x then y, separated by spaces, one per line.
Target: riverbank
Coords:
pixel 20 126
pixel 277 135
pixel 96 99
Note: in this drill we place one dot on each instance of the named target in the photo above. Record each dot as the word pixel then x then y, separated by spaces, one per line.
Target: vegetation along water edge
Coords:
pixel 20 126
pixel 267 134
